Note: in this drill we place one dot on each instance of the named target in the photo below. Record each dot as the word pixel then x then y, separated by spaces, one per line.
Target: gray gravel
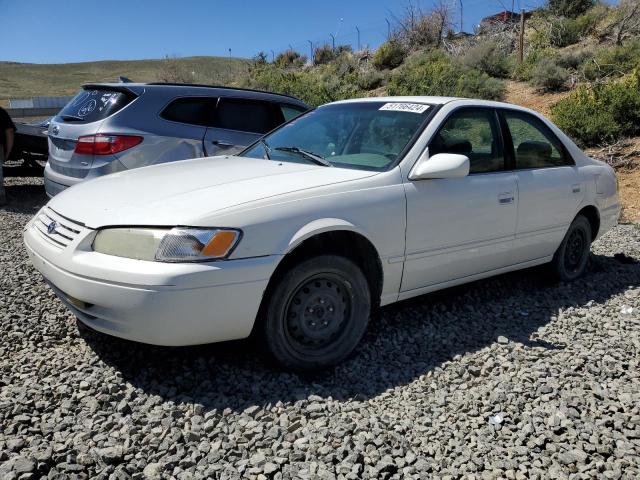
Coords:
pixel 513 377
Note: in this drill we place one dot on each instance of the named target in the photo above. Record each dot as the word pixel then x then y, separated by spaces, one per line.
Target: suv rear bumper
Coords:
pixel 56 182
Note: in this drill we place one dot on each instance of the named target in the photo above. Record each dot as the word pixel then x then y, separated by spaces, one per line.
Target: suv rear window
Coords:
pixel 94 104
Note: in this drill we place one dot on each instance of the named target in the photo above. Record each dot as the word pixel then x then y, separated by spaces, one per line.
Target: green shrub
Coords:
pixel 388 55
pixel 489 58
pixel 574 60
pixel 434 73
pixel 323 54
pixel 336 80
pixel 564 32
pixel 370 80
pixel 524 71
pixel 601 114
pixel 613 61
pixel 290 58
pixel 569 8
pixel 547 75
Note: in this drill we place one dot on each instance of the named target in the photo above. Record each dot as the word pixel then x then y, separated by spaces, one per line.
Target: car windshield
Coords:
pixel 362 135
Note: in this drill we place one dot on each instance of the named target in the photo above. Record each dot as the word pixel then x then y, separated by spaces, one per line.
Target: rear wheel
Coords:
pixel 317 313
pixel 570 260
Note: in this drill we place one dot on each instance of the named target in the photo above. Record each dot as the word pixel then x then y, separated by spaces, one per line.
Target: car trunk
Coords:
pixel 62 143
pixel 82 116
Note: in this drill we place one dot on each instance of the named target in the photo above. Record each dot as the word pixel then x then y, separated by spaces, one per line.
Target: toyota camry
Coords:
pixel 354 205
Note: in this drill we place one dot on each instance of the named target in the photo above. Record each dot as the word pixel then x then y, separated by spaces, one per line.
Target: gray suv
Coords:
pixel 109 127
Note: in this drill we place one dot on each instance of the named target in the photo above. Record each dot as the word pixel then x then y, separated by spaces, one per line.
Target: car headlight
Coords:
pixel 179 244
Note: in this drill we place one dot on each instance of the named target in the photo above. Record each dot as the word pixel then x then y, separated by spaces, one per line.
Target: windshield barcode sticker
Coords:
pixel 405 107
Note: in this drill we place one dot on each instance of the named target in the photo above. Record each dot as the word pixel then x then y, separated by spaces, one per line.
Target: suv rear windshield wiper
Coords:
pixel 71 118
pixel 314 157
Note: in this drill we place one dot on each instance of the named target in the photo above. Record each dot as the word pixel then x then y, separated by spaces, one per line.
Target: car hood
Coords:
pixel 188 191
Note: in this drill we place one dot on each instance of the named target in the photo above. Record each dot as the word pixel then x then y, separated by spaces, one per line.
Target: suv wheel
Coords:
pixel 570 260
pixel 317 313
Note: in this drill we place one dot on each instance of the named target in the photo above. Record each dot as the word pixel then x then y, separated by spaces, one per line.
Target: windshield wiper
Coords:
pixel 314 157
pixel 267 148
pixel 72 118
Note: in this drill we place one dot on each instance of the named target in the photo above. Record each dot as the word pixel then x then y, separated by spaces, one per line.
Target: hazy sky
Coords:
pixel 73 31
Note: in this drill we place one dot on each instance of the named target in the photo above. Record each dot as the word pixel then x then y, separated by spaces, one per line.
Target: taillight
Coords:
pixel 105 144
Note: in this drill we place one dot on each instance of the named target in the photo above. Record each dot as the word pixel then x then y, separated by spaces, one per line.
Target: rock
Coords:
pixel 111 455
pixel 412 402
pixel 153 471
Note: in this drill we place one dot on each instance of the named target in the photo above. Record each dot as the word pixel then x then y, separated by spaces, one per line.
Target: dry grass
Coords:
pixel 22 80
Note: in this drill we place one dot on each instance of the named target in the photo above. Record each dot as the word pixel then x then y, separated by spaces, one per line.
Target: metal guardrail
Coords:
pixel 31 112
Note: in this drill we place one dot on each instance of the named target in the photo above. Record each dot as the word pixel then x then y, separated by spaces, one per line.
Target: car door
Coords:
pixel 549 185
pixel 237 123
pixel 458 227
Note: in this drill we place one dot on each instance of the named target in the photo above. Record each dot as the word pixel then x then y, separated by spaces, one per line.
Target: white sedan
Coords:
pixel 353 205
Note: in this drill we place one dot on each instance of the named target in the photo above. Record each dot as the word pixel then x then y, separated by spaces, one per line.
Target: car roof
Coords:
pixel 197 89
pixel 433 100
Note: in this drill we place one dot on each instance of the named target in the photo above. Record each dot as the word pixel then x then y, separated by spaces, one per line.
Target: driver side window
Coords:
pixel 474 133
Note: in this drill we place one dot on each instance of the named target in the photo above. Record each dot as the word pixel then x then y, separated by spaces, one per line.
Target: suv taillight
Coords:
pixel 105 144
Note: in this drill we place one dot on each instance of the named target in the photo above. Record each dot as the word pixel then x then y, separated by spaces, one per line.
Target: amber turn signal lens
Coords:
pixel 220 244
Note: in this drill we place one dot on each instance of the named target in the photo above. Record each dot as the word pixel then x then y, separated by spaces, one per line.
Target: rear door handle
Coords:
pixel 218 143
pixel 505 198
pixel 575 188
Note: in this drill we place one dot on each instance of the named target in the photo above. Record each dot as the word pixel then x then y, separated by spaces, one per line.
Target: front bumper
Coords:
pixel 152 302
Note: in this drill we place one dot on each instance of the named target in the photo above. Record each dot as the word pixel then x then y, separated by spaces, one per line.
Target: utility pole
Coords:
pixel 521 38
pixel 358 30
pixel 461 17
pixel 388 29
pixel 273 56
pixel 311 49
pixel 333 42
pixel 229 63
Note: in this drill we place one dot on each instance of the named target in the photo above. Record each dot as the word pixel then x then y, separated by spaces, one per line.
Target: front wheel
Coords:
pixel 317 313
pixel 570 260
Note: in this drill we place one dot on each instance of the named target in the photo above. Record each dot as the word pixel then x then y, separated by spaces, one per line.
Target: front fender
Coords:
pixel 318 226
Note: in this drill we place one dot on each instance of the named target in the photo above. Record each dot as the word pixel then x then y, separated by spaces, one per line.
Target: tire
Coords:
pixel 572 256
pixel 317 313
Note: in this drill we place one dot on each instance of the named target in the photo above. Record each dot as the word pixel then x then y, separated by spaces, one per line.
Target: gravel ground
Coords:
pixel 513 377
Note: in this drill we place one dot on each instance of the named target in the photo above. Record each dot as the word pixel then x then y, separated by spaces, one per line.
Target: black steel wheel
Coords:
pixel 317 313
pixel 570 260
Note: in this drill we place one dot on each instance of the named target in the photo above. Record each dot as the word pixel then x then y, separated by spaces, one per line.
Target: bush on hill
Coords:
pixel 602 113
pixel 434 73
pixel 389 55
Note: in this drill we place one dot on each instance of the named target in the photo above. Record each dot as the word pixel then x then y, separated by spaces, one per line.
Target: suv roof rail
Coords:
pixel 172 84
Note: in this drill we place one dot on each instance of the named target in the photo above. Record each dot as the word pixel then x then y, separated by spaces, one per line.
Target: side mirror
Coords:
pixel 441 165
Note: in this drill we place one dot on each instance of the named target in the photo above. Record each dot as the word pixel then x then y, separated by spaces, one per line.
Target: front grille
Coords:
pixel 65 230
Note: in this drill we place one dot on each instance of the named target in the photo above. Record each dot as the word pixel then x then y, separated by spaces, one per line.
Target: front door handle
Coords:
pixel 506 198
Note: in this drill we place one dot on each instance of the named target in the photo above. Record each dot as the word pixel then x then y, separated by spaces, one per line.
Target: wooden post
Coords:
pixel 521 39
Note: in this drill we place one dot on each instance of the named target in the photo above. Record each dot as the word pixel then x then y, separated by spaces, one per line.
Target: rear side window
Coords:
pixel 474 133
pixel 245 115
pixel 289 112
pixel 192 110
pixel 534 144
pixel 93 105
